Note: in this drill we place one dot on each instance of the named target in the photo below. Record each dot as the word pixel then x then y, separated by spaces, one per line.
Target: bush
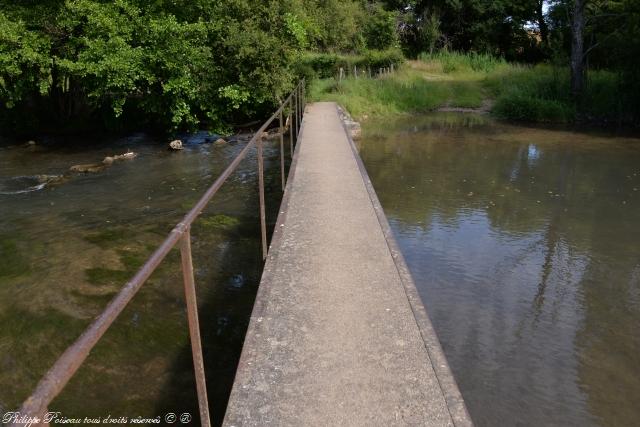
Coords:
pixel 376 59
pixel 515 105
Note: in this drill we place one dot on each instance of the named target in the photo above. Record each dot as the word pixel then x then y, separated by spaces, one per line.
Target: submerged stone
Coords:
pixel 88 168
pixel 237 281
pixel 176 145
pixel 129 155
pixel 52 179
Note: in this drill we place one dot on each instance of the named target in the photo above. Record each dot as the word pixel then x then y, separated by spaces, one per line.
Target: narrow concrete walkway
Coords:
pixel 336 338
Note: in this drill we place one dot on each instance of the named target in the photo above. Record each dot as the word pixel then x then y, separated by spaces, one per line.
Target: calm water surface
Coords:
pixel 66 249
pixel 525 246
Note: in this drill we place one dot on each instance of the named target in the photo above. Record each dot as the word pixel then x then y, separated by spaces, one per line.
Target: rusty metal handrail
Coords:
pixel 66 366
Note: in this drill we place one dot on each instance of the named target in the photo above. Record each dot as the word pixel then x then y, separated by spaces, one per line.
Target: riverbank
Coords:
pixel 480 83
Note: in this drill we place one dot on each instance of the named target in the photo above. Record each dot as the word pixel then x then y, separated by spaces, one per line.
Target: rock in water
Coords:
pixel 89 168
pixel 176 145
pixel 354 129
pixel 30 144
pixel 271 135
pixel 51 179
pixel 220 141
pixel 126 156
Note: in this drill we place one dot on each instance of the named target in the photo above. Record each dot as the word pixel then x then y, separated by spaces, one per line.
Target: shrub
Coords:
pixel 521 106
pixel 328 65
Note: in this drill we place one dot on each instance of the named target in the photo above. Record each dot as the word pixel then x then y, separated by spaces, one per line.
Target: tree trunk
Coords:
pixel 542 24
pixel 577 50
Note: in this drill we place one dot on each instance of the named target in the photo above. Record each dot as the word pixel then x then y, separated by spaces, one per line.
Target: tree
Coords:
pixel 599 32
pixel 429 30
pixel 380 28
pixel 24 62
pixel 577 49
pixel 174 64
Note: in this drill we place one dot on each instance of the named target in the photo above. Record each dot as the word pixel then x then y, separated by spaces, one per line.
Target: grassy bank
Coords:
pixel 542 94
pixel 453 80
pixel 413 88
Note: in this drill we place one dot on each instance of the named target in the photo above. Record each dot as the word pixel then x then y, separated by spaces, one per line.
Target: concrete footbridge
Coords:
pixel 338 334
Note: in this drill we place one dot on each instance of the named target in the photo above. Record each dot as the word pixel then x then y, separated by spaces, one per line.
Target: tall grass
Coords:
pixel 538 94
pixel 405 91
pixel 542 94
pixel 464 61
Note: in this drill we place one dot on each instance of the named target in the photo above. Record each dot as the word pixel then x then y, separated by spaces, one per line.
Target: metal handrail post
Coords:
pixel 263 218
pixel 298 112
pixel 282 150
pixel 295 97
pixel 304 96
pixel 290 129
pixel 194 327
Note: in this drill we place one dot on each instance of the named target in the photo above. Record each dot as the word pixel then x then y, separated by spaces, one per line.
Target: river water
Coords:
pixel 524 244
pixel 68 247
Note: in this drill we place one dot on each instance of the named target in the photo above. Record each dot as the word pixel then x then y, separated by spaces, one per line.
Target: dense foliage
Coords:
pixel 173 64
pixel 68 64
pixel 176 63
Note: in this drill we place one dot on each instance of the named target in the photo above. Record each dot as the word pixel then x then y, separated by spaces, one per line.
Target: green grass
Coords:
pixel 521 93
pixel 536 94
pixel 456 62
pixel 542 94
pixel 409 90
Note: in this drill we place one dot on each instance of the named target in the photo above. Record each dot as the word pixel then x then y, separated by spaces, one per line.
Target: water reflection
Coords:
pixel 524 244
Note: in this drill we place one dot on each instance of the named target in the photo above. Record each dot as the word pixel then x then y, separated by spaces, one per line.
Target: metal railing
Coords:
pixel 66 366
